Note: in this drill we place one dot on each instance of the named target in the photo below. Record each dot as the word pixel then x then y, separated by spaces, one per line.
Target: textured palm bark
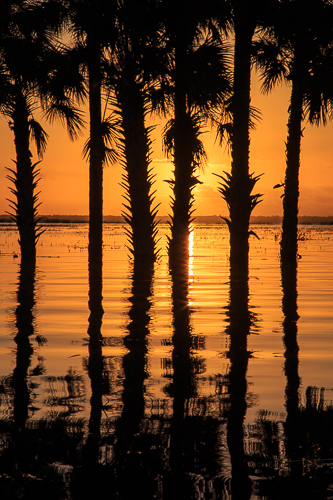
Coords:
pixel 138 178
pixel 95 246
pixel 25 213
pixel 240 185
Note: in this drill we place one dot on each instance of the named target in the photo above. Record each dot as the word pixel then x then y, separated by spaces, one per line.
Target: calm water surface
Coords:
pixel 58 382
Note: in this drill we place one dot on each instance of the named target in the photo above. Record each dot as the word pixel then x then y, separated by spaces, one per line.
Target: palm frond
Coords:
pixel 14 205
pixel 255 117
pixel 193 125
pixel 223 133
pixel 39 135
pixel 318 96
pixel 272 61
pixel 168 137
pixel 67 114
pixel 209 75
pixel 110 134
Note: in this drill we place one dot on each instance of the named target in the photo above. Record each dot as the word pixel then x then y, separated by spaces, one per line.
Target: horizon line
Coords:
pixel 6 217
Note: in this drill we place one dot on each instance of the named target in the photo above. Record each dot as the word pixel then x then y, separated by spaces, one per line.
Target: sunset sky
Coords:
pixel 64 173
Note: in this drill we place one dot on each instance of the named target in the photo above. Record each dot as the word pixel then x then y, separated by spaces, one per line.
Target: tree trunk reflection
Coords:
pixel 24 349
pixel 136 453
pixel 240 320
pixel 289 307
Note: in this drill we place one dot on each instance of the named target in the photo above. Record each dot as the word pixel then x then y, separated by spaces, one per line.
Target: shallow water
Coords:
pixel 148 375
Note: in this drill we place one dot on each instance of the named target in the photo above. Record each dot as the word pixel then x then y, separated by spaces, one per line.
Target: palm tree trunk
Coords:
pixel 291 188
pixel 181 207
pixel 24 182
pixel 240 190
pixel 138 177
pixel 95 248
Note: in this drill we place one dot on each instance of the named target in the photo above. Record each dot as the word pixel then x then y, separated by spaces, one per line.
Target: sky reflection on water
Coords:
pixel 143 367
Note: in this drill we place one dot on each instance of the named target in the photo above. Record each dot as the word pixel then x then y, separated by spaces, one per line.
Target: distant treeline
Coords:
pixel 204 219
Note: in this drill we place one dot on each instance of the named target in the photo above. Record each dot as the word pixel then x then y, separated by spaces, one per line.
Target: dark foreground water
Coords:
pixel 186 387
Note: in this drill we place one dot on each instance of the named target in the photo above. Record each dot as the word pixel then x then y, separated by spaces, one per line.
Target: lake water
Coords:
pixel 167 404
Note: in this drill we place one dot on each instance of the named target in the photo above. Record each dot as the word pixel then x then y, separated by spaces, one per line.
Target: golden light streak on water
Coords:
pixel 190 264
pixel 59 378
pixel 191 254
pixel 61 311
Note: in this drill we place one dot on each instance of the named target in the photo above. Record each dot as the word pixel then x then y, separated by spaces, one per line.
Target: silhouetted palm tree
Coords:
pixel 236 188
pixel 200 83
pixel 298 48
pixel 136 66
pixel 30 78
pixel 92 25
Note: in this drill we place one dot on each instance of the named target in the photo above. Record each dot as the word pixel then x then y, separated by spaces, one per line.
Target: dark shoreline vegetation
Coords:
pixel 200 219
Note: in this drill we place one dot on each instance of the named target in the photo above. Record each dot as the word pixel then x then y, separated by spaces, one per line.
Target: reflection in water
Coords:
pixel 240 320
pixel 24 349
pixel 191 255
pixel 298 453
pixel 135 361
pixel 136 457
pixel 289 308
pixel 87 481
pixel 95 371
pixel 197 458
pixel 24 456
pixel 309 439
pixel 189 443
pixel 183 386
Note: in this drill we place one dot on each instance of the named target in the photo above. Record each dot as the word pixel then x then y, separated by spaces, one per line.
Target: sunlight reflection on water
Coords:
pixel 61 310
pixel 173 351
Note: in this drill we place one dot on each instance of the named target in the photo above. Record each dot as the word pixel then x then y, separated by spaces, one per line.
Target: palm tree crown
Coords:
pixel 30 77
pixel 297 48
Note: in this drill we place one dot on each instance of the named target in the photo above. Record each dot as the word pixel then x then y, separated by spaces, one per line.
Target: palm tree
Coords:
pixel 236 188
pixel 91 25
pixel 298 49
pixel 199 76
pixel 134 73
pixel 29 75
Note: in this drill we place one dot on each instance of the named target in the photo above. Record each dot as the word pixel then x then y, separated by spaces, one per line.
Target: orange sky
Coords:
pixel 64 174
